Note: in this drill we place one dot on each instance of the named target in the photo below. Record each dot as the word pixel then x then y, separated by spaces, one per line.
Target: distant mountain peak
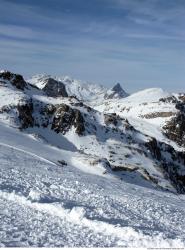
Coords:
pixel 117 87
pixel 116 92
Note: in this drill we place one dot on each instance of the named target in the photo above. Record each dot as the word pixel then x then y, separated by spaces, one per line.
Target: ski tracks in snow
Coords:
pixel 28 153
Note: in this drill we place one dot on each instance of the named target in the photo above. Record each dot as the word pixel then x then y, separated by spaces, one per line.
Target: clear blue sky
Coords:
pixel 139 43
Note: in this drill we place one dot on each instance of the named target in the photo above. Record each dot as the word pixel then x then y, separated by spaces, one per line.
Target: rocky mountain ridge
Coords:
pixel 111 136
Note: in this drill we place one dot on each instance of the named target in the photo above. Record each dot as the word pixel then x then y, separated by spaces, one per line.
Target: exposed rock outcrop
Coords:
pixel 110 135
pixel 55 88
pixel 116 92
pixel 158 114
pixel 111 119
pixel 175 129
pixel 153 147
pixel 172 162
pixel 25 114
pixel 15 79
pixel 65 117
pixel 169 99
pixel 176 176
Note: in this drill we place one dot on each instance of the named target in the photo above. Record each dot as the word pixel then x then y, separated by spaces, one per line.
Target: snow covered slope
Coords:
pixel 83 177
pixel 45 204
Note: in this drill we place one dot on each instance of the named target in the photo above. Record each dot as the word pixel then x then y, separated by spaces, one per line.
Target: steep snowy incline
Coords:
pixel 45 204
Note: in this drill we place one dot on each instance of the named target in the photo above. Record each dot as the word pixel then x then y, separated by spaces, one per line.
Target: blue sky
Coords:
pixel 139 43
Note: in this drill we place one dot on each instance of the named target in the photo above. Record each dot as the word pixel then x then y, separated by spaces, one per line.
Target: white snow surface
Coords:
pixel 44 204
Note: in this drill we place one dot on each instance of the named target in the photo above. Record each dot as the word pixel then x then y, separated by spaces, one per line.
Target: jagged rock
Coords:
pixel 62 119
pixel 157 114
pixel 170 99
pixel 175 129
pixel 115 92
pixel 7 108
pixel 124 168
pixel 173 168
pixel 181 157
pixel 62 163
pixel 154 149
pixel 15 79
pixel 55 88
pixel 48 109
pixel 25 114
pixel 128 126
pixel 111 119
pixel 103 161
pixel 43 113
pixel 65 117
pixel 177 178
pixel 79 122
pixel 78 104
pixel 148 177
pixel 182 98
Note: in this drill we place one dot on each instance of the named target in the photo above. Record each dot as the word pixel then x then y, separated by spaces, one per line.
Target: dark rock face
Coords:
pixel 158 114
pixel 111 119
pixel 171 162
pixel 25 115
pixel 116 92
pixel 175 129
pixel 48 110
pixel 182 98
pixel 15 79
pixel 128 126
pixel 174 174
pixel 79 122
pixel 43 113
pixel 60 117
pixel 55 88
pixel 170 99
pixel 66 117
pixel 154 148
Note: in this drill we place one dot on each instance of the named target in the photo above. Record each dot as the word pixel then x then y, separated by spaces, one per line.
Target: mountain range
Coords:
pixel 108 164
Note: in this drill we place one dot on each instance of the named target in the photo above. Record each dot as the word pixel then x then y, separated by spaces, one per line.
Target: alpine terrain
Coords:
pixel 87 166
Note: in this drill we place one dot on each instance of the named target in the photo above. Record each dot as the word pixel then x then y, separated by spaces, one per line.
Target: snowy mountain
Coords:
pixel 116 92
pixel 82 90
pixel 89 166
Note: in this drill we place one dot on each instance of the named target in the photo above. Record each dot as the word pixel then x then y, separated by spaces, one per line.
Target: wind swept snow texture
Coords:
pixel 43 204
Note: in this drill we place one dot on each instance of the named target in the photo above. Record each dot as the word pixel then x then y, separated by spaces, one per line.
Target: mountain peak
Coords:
pixel 116 92
pixel 15 79
pixel 117 87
